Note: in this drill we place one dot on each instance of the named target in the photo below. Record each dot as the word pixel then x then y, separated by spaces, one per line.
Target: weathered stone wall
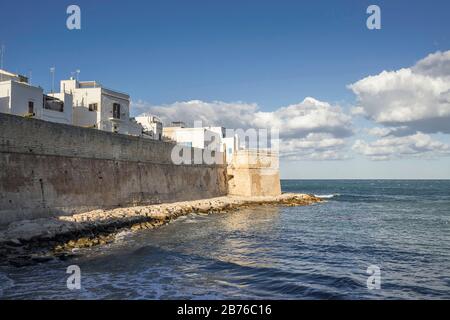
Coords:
pixel 254 173
pixel 51 169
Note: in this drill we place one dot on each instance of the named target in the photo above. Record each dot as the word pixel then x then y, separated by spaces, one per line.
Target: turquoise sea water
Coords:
pixel 315 252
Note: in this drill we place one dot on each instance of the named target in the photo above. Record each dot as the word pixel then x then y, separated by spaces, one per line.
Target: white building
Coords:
pixel 98 107
pixel 18 97
pixel 152 125
pixel 86 104
pixel 57 107
pixel 201 137
pixel 212 138
pixel 6 76
pixel 218 130
pixel 230 145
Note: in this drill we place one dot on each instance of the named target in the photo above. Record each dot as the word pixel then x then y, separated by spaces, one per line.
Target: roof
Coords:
pixel 14 75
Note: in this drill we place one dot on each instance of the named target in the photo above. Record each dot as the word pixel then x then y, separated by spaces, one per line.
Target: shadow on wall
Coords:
pixel 54 169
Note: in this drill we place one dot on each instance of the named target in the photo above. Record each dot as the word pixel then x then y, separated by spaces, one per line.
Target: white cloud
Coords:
pixel 296 120
pixel 386 131
pixel 391 147
pixel 358 111
pixel 379 131
pixel 416 97
pixel 434 65
pixel 229 115
pixel 311 129
pixel 315 146
pixel 309 116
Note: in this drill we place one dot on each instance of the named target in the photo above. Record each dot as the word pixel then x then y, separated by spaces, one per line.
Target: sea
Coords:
pixel 369 239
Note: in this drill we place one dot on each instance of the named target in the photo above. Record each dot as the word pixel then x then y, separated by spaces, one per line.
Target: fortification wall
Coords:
pixel 49 169
pixel 254 173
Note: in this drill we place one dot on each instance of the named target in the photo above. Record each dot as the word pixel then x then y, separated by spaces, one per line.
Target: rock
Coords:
pixel 59 248
pixel 135 227
pixel 148 225
pixel 71 243
pixel 204 208
pixel 98 227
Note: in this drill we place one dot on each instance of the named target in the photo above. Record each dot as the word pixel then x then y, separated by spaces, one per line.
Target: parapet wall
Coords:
pixel 49 169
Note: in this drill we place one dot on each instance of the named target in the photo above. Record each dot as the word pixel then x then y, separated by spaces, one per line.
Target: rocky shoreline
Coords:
pixel 29 242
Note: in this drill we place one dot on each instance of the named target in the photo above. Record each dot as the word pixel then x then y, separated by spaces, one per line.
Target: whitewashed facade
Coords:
pixel 153 127
pixel 86 104
pixel 98 107
pixel 212 138
pixel 202 138
pixel 230 145
pixel 20 98
pixel 57 107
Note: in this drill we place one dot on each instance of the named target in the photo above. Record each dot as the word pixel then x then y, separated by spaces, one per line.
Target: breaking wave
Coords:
pixel 326 196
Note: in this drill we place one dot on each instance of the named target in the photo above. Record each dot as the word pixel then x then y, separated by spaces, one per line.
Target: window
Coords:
pixel 116 111
pixel 31 107
pixel 93 107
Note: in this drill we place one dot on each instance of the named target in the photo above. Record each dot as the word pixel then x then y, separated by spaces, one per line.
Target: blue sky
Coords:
pixel 270 53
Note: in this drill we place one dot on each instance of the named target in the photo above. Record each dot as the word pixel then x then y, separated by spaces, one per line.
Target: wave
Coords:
pixel 327 196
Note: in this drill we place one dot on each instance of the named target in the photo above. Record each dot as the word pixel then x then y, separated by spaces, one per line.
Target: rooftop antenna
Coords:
pixel 30 74
pixel 78 74
pixel 2 53
pixel 52 71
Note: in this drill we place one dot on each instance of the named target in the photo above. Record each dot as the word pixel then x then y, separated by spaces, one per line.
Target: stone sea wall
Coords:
pixel 49 169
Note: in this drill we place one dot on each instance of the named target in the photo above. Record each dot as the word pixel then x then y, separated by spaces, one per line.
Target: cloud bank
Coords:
pixel 406 106
pixel 416 98
pixel 311 129
pixel 410 104
pixel 391 147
